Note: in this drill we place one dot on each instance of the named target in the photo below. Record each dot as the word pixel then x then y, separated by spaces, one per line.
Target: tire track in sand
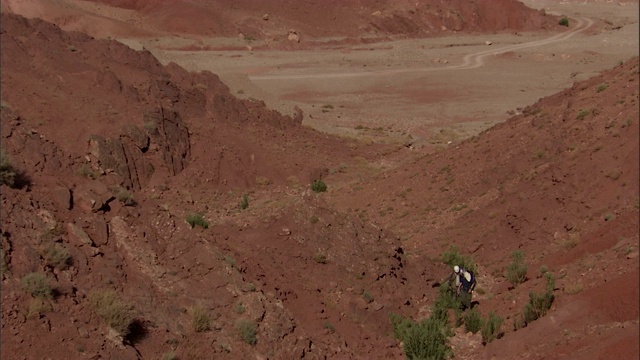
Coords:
pixel 470 61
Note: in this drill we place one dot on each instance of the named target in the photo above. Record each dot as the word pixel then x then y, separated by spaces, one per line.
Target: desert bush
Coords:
pixel 8 174
pixel 200 319
pixel 583 113
pixel 124 196
pixel 37 285
pixel 539 304
pixel 169 356
pixel 239 308
pixel 367 297
pixel 564 21
pixel 427 339
pixel 318 186
pixel 602 87
pixel 491 328
pixel 329 327
pixel 247 331
pixel 445 300
pixel 117 313
pixel 452 257
pixel 56 255
pixel 244 202
pixel 195 219
pixel 517 270
pixel 4 266
pixel 473 321
pixel 87 172
pixel 37 307
pixel 320 258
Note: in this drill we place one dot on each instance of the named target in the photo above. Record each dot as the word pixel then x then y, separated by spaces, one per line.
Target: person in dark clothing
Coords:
pixel 465 282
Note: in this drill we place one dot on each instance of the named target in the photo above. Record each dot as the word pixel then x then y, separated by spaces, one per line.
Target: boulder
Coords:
pixel 92 196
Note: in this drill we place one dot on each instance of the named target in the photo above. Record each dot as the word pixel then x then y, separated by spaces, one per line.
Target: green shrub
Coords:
pixel 320 258
pixel 244 202
pixel 200 319
pixel 517 271
pixel 247 331
pixel 445 300
pixel 539 304
pixel 564 21
pixel 583 113
pixel 427 339
pixel 239 308
pixel 56 256
pixel 602 87
pixel 37 285
pixel 319 186
pixel 452 257
pixel 8 174
pixel 367 297
pixel 197 219
pixel 87 172
pixel 473 321
pixel 37 307
pixel 117 313
pixel 124 196
pixel 491 328
pixel 329 326
pixel 169 356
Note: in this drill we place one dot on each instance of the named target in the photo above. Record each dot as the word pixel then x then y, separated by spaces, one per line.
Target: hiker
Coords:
pixel 465 282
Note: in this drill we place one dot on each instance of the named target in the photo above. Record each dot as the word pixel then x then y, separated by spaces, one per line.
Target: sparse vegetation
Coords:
pixel 539 304
pixel 564 21
pixel 517 270
pixel 239 308
pixel 124 196
pixel 230 260
pixel 583 113
pixel 244 202
pixel 609 217
pixel 8 174
pixel 427 339
pixel 37 307
pixel 200 319
pixel 196 219
pixel 151 127
pixel 87 172
pixel 452 257
pixel 169 356
pixel 57 256
pixel 250 287
pixel 368 298
pixel 247 331
pixel 473 321
pixel 320 258
pixel 37 285
pixel 491 329
pixel 602 87
pixel 329 327
pixel 263 181
pixel 318 186
pixel 117 313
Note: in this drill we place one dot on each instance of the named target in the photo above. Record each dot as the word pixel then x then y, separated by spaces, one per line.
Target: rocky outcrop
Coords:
pixel 172 137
